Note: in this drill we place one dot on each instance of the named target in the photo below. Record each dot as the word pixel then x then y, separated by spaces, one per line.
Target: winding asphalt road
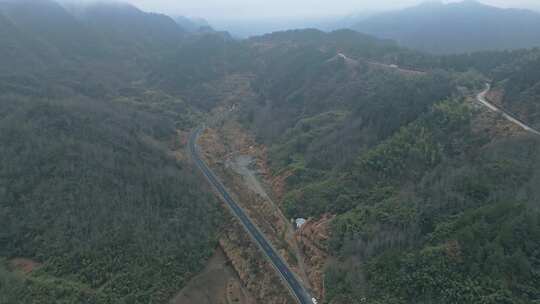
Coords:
pixel 481 97
pixel 294 285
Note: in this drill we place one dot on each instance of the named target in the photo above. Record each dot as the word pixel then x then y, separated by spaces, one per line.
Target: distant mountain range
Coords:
pixel 456 27
pixel 41 33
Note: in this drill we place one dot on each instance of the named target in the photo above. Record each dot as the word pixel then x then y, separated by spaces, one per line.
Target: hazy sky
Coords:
pixel 249 9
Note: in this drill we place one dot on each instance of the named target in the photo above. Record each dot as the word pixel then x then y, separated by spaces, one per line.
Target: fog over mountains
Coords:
pixel 432 26
pixel 260 9
pixel 413 191
pixel 456 27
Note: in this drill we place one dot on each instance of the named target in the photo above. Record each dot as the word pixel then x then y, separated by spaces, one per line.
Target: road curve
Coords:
pixel 481 97
pixel 294 285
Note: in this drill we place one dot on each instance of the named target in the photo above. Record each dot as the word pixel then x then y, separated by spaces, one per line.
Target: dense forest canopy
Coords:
pixel 89 185
pixel 435 201
pixel 432 204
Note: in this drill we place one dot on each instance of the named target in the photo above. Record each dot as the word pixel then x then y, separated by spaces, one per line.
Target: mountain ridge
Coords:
pixel 456 27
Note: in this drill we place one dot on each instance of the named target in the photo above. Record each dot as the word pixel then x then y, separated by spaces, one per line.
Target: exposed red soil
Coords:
pixel 311 237
pixel 24 265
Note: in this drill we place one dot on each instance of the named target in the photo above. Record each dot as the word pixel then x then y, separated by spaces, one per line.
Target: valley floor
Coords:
pixel 217 284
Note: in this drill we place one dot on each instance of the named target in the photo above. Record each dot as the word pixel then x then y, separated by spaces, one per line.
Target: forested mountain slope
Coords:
pixel 333 101
pixel 17 47
pixel 87 193
pixel 518 82
pixel 129 31
pixel 49 23
pixel 456 27
pixel 116 43
pixel 435 198
pixel 91 192
pixel 431 198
